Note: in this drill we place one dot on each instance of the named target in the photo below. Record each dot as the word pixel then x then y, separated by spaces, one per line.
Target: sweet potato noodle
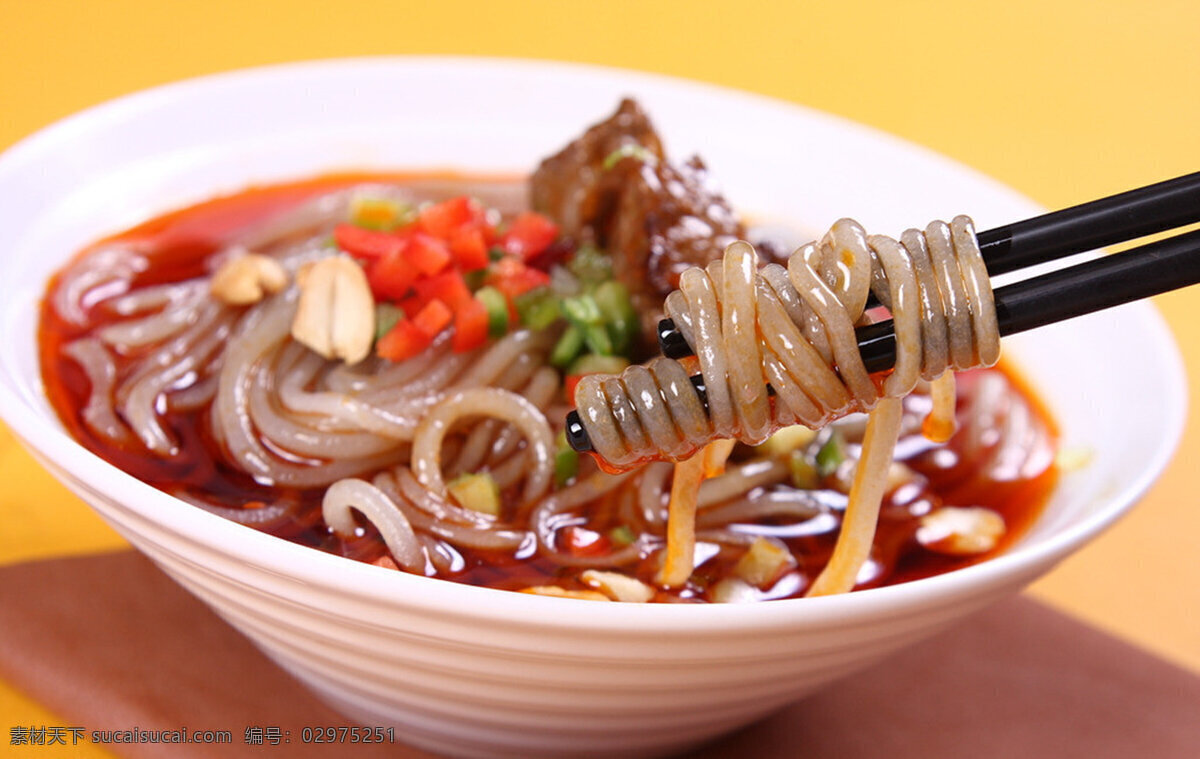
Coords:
pixel 446 459
pixel 794 328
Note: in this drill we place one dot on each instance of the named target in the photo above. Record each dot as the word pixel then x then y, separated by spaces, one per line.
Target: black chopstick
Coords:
pixel 1085 288
pixel 1105 282
pixel 1059 234
pixel 1126 216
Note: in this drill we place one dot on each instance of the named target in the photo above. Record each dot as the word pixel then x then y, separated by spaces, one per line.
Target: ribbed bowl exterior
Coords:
pixel 475 681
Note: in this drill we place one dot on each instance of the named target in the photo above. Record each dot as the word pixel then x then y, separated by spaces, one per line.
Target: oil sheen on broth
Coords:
pixel 1001 458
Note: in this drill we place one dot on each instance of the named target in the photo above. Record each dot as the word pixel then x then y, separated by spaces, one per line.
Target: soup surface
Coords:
pixel 790 492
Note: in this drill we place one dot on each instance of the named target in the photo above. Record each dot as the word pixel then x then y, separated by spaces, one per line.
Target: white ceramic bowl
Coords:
pixel 471 671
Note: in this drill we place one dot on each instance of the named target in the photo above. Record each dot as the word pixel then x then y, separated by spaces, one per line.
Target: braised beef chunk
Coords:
pixel 668 219
pixel 574 188
pixel 613 186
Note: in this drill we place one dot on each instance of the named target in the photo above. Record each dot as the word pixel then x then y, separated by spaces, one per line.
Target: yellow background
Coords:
pixel 1064 101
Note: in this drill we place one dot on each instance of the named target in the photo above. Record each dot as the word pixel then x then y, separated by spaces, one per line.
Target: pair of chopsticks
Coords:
pixel 1112 280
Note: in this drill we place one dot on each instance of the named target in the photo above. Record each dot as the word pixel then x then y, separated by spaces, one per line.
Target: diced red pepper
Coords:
pixel 412 305
pixel 404 341
pixel 490 235
pixel 528 235
pixel 391 276
pixel 514 278
pixel 366 243
pixel 433 318
pixel 427 254
pixel 470 248
pixel 470 326
pixel 448 287
pixel 443 219
pixel 421 268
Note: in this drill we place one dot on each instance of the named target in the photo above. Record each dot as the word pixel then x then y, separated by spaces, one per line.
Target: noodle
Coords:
pixel 858 527
pixel 369 459
pixel 372 503
pixel 91 355
pixel 751 329
pixel 493 402
pixel 681 523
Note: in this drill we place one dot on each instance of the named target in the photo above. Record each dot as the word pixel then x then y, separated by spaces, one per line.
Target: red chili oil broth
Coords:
pixel 176 246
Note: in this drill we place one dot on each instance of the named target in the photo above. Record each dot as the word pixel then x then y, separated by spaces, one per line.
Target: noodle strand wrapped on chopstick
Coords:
pixel 794 331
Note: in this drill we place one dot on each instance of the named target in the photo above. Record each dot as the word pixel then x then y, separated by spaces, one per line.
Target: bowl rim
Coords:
pixel 373 584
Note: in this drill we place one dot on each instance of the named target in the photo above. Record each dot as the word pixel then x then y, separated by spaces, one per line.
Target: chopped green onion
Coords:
pixel 567 347
pixel 477 492
pixel 629 150
pixel 495 253
pixel 622 536
pixel 583 312
pixel 590 363
pixel 590 265
pixel 831 455
pixel 497 309
pixel 566 462
pixel 614 302
pixel 595 336
pixel 386 317
pixel 538 308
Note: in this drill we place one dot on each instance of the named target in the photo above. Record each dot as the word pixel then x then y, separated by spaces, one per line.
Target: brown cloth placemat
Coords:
pixel 109 642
